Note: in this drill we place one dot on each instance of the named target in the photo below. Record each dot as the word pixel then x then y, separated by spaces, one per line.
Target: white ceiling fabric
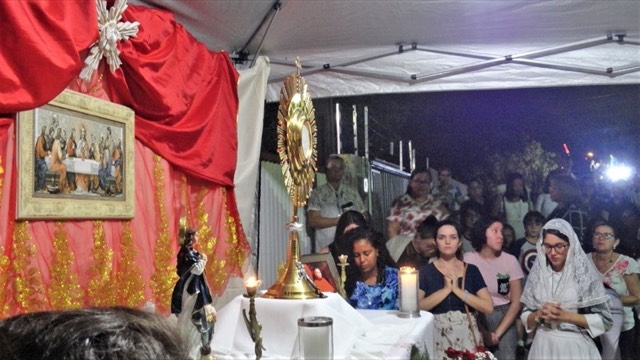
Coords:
pixel 333 32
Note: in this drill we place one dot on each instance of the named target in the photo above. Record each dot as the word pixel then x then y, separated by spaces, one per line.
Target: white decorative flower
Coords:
pixel 111 31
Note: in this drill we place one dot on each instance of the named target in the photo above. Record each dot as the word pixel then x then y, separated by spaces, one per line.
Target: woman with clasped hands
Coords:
pixel 446 286
pixel 564 298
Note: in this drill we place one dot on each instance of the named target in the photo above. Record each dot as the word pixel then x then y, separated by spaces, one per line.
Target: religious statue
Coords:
pixel 191 299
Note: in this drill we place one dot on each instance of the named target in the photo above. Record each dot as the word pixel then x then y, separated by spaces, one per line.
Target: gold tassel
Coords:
pixel 163 280
pixel 129 280
pixel 101 286
pixel 29 289
pixel 66 292
pixel 236 252
pixel 4 282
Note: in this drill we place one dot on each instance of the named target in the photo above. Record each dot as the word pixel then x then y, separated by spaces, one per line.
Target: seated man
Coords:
pixel 329 201
pixel 422 248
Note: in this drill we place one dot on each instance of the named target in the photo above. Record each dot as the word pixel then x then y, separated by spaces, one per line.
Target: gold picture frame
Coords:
pixel 327 267
pixel 76 159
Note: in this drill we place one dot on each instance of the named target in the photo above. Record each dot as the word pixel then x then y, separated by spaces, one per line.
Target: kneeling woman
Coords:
pixel 372 282
pixel 448 286
pixel 564 298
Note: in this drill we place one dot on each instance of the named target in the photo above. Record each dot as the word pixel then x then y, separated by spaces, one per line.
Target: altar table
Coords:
pixel 357 334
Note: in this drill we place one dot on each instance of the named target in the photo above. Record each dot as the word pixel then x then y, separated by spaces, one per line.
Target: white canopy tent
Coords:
pixel 357 47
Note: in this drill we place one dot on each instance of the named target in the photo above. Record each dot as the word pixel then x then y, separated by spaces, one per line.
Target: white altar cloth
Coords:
pixel 357 334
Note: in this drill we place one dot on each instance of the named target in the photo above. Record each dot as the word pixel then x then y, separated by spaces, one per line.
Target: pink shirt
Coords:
pixel 495 271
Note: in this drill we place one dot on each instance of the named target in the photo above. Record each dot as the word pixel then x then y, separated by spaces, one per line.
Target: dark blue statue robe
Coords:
pixel 187 258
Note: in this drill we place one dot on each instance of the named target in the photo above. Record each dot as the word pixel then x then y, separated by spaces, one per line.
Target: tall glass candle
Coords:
pixel 315 337
pixel 408 292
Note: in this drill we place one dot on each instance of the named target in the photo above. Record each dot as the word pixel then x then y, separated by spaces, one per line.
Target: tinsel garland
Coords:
pixel 129 279
pixel 236 253
pixel 29 291
pixel 163 280
pixel 102 288
pixel 66 292
pixel 208 242
pixel 4 279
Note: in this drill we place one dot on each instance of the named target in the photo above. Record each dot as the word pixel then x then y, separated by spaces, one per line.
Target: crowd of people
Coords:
pixel 545 273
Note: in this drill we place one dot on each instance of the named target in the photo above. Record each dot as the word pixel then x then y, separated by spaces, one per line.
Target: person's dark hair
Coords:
pixel 414 173
pixel 348 218
pixel 444 168
pixel 428 228
pixel 335 157
pixel 467 206
pixel 602 222
pixel 479 231
pixel 450 222
pixel 339 245
pixel 568 189
pixel 92 333
pixel 377 242
pixel 507 226
pixel 547 179
pixel 189 235
pixel 476 180
pixel 532 216
pixel 556 233
pixel 510 191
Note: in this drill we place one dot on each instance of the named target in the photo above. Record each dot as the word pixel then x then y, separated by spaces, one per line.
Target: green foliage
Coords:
pixel 416 354
pixel 530 159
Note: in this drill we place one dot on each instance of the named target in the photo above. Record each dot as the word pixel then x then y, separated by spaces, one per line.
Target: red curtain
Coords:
pixel 186 103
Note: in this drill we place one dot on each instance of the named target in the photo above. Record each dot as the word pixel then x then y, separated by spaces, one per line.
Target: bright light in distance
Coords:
pixel 619 172
pixel 590 154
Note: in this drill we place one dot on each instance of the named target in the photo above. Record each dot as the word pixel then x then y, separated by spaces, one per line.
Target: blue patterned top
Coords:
pixel 377 297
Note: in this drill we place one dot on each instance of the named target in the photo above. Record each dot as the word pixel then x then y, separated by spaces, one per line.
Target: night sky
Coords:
pixel 460 128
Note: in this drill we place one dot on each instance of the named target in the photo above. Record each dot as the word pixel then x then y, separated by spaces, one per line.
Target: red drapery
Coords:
pixel 185 100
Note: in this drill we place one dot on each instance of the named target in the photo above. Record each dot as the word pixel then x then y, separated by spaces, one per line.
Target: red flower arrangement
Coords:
pixel 481 353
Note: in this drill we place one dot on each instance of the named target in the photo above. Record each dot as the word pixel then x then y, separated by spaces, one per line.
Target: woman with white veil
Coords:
pixel 564 298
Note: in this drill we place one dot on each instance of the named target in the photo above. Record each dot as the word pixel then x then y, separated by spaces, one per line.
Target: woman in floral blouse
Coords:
pixel 410 209
pixel 620 273
pixel 372 282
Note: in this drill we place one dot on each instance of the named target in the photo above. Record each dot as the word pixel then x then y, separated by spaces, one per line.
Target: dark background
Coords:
pixel 459 129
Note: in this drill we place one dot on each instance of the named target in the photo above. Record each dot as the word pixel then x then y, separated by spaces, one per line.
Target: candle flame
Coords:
pixel 251 282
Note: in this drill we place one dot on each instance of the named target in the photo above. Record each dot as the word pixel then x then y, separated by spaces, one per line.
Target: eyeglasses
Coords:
pixel 607 235
pixel 559 248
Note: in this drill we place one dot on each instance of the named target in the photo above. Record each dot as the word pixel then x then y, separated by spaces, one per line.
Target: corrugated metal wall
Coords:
pixel 275 214
pixel 386 185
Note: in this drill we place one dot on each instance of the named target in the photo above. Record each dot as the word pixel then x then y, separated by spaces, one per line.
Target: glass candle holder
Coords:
pixel 408 288
pixel 315 337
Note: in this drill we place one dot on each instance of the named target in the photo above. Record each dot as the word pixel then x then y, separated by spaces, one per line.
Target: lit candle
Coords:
pixel 408 289
pixel 252 285
pixel 343 259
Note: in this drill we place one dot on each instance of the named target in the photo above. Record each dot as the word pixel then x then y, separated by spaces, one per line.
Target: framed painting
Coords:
pixel 322 269
pixel 75 160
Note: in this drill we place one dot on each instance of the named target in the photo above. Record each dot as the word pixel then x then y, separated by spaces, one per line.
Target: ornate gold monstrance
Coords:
pixel 297 148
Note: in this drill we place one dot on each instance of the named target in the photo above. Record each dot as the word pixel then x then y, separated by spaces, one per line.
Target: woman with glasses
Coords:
pixel 564 298
pixel 620 273
pixel 410 209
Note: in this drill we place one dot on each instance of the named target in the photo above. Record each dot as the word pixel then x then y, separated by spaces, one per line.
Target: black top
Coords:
pixel 432 280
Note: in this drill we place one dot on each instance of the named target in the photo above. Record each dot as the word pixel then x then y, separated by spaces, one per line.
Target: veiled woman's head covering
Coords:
pixel 578 274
